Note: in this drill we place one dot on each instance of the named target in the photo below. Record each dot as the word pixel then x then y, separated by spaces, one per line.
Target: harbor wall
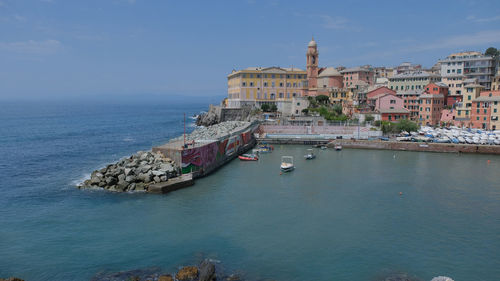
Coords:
pixel 204 159
pixel 417 146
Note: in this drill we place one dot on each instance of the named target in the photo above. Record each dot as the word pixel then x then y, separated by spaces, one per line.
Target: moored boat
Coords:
pixel 338 147
pixel 310 154
pixel 248 157
pixel 287 164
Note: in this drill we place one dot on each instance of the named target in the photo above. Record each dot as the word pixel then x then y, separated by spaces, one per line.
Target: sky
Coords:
pixel 64 49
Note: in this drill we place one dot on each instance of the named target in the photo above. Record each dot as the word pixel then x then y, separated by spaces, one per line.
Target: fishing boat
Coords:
pixel 287 164
pixel 248 157
pixel 310 155
pixel 338 147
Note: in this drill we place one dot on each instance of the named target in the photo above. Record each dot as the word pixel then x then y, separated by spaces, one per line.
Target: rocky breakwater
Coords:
pixel 134 173
pixel 214 132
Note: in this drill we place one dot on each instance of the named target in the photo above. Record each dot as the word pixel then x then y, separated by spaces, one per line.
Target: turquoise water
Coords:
pixel 338 217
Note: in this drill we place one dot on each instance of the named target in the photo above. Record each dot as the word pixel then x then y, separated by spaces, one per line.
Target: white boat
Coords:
pixel 338 147
pixel 287 164
pixel 310 154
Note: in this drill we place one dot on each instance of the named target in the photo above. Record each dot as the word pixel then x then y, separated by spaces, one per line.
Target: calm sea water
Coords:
pixel 338 217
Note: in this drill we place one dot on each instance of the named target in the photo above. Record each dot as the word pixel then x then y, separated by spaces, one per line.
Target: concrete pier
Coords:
pixel 172 184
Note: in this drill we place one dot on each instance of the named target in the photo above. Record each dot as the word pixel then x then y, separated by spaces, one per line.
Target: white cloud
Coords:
pixel 482 20
pixel 460 41
pixel 330 22
pixel 46 47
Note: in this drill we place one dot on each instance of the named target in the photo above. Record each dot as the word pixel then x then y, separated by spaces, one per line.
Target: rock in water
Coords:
pixel 442 278
pixel 166 278
pixel 207 271
pixel 187 273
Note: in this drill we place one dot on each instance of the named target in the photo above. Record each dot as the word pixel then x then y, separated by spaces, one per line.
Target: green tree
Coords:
pixel 369 118
pixel 491 51
pixel 265 107
pixel 337 108
pixel 406 125
pixel 322 99
pixel 273 108
pixel 305 111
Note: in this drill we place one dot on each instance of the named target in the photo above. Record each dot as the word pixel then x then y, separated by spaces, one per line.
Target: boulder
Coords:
pixel 140 186
pixel 111 181
pixel 130 179
pixel 11 279
pixel 131 187
pixel 163 178
pixel 165 278
pixel 121 177
pixel 158 173
pixel 187 273
pixel 207 271
pixel 441 278
pixel 128 171
pixel 157 179
pixel 145 168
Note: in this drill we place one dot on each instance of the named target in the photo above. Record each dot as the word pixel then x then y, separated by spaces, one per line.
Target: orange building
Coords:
pixel 485 111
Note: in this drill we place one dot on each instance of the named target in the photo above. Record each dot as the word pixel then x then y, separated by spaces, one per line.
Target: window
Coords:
pixel 265 84
pixel 393 101
pixel 281 84
pixel 272 84
pixel 251 84
pixel 258 75
pixel 244 84
pixel 244 75
pixel 459 71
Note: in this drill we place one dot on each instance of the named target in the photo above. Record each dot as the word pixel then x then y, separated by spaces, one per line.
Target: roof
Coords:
pixel 356 69
pixel 329 71
pixel 487 98
pixel 312 43
pixel 381 80
pixel 377 96
pixel 414 74
pixel 474 86
pixel 431 96
pixel 441 84
pixel 394 110
pixel 409 92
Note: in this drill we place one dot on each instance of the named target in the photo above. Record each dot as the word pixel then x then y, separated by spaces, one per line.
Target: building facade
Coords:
pixel 255 86
pixel 463 108
pixel 466 65
pixel 411 101
pixel 412 80
pixel 355 74
pixel 431 107
pixel 485 111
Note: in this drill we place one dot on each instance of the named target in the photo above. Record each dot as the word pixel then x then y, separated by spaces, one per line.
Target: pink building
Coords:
pixel 354 74
pixel 390 107
pixel 447 116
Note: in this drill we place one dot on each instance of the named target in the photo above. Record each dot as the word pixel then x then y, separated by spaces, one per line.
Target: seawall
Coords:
pixel 206 156
pixel 417 146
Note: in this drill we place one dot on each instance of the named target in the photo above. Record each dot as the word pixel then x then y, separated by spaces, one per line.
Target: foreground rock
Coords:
pixel 206 271
pixel 11 279
pixel 134 173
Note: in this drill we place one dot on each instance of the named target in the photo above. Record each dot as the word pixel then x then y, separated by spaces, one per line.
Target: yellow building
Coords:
pixel 464 107
pixel 255 86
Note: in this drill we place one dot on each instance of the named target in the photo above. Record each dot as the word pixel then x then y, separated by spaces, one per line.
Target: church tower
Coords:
pixel 312 66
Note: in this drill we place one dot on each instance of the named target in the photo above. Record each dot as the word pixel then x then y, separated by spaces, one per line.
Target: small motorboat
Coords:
pixel 338 147
pixel 310 155
pixel 287 164
pixel 265 148
pixel 323 147
pixel 248 157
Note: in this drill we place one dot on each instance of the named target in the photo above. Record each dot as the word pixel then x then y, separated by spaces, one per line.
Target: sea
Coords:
pixel 346 215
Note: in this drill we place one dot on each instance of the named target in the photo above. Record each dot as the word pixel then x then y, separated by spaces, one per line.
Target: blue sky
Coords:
pixel 116 48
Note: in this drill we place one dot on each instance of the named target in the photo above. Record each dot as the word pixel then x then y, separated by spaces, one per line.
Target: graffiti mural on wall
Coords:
pixel 199 158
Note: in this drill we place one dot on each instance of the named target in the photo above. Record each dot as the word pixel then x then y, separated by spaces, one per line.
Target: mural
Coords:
pixel 200 158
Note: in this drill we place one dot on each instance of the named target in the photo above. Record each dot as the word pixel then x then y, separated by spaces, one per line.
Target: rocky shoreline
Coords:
pixel 134 173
